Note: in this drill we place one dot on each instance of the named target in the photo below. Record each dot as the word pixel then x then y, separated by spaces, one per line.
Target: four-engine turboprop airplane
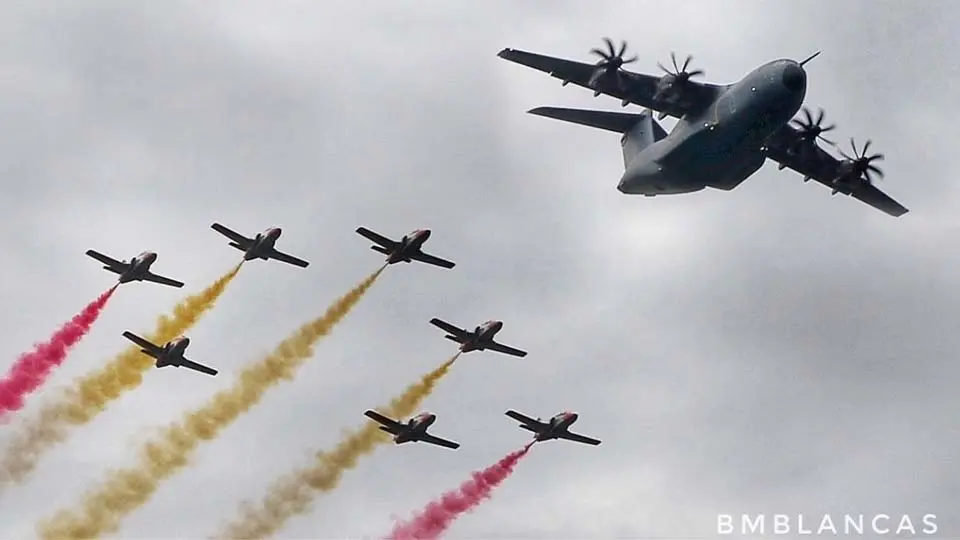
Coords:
pixel 171 354
pixel 724 132
pixel 136 269
pixel 479 339
pixel 414 430
pixel 260 246
pixel 406 250
pixel 556 428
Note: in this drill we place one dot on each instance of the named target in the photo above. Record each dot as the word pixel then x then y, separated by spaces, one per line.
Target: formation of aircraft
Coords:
pixel 557 427
pixel 413 430
pixel 170 354
pixel 260 246
pixel 407 249
pixel 724 132
pixel 136 269
pixel 481 338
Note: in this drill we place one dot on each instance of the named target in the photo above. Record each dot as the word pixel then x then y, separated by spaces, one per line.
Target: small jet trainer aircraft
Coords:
pixel 413 430
pixel 260 246
pixel 136 269
pixel 480 339
pixel 170 354
pixel 724 132
pixel 556 428
pixel 406 250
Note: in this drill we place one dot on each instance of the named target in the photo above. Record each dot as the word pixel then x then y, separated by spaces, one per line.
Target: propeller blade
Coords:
pixel 695 72
pixel 811 57
pixel 673 57
pixel 820 116
pixel 687 62
pixel 623 48
pixel 877 157
pixel 631 60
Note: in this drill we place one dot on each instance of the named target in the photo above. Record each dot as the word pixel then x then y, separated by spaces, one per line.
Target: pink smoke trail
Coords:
pixel 33 368
pixel 433 520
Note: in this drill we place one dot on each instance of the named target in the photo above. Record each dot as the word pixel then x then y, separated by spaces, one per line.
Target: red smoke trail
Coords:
pixel 33 368
pixel 438 515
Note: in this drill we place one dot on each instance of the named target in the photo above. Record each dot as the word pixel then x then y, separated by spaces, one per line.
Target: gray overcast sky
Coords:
pixel 771 349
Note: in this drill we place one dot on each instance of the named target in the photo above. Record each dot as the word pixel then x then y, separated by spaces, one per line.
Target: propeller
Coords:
pixel 861 164
pixel 674 80
pixel 679 74
pixel 811 130
pixel 610 62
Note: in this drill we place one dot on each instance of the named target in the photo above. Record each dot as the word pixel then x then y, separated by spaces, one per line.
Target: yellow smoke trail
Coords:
pixel 126 490
pixel 291 495
pixel 91 394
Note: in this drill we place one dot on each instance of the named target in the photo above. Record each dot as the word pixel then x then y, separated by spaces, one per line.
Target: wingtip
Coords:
pixel 503 52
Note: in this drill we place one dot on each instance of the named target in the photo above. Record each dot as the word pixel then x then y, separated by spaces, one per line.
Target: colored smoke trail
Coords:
pixel 291 495
pixel 91 393
pixel 126 490
pixel 33 368
pixel 437 517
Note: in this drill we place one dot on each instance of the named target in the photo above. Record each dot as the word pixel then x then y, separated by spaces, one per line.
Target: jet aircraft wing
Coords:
pixel 576 437
pixel 526 421
pixel 240 239
pixel 150 276
pixel 142 342
pixel 190 364
pixel 447 327
pixel 818 165
pixel 287 258
pixel 638 88
pixel 501 348
pixel 430 259
pixel 389 425
pixel 112 264
pixel 376 238
pixel 432 439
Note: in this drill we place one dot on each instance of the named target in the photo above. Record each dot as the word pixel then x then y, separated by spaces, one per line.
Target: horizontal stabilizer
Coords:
pixel 381 249
pixel 611 121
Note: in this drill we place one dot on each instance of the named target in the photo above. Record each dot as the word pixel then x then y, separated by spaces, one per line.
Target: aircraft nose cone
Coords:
pixel 426 233
pixel 794 77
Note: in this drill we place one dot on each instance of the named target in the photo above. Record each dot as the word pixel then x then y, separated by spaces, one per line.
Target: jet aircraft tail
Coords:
pixel 639 130
pixel 381 249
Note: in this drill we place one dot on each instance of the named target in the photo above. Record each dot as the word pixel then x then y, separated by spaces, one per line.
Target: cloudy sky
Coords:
pixel 772 349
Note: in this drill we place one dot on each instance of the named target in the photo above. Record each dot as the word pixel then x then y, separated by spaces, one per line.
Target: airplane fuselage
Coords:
pixel 409 244
pixel 558 424
pixel 720 146
pixel 481 335
pixel 173 351
pixel 415 426
pixel 139 266
pixel 262 244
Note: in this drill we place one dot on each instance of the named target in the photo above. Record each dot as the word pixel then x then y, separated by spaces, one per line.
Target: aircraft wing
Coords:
pixel 287 258
pixel 150 276
pixel 501 348
pixel 447 327
pixel 142 342
pixel 376 238
pixel 638 88
pixel 525 420
pixel 392 425
pixel 430 259
pixel 240 239
pixel 576 437
pixel 427 438
pixel 824 168
pixel 109 261
pixel 190 364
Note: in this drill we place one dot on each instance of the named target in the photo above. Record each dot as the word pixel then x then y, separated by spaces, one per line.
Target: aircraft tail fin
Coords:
pixel 639 130
pixel 381 249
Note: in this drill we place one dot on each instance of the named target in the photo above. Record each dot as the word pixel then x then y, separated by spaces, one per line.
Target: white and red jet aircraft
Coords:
pixel 407 249
pixel 171 354
pixel 136 269
pixel 481 338
pixel 260 246
pixel 556 428
pixel 413 430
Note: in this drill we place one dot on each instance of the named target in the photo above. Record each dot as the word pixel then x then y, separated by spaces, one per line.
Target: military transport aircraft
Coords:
pixel 171 354
pixel 406 250
pixel 413 430
pixel 136 269
pixel 556 428
pixel 480 339
pixel 260 246
pixel 724 134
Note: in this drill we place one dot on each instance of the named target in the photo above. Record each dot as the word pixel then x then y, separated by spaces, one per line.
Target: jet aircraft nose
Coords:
pixel 794 77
